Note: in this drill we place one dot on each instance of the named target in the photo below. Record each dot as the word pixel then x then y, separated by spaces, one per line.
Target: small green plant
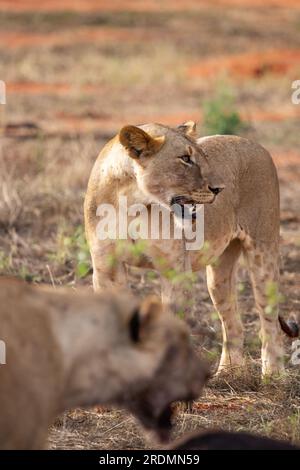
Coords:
pixel 206 257
pixel 82 253
pixel 25 274
pixel 211 355
pixel 180 314
pixel 5 262
pixel 152 275
pixel 221 116
pixel 274 298
pixel 241 287
pixel 126 250
pixel 73 248
pixel 214 315
pixel 294 420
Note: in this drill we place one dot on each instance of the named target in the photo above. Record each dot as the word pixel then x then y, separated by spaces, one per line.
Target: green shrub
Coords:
pixel 72 247
pixel 220 115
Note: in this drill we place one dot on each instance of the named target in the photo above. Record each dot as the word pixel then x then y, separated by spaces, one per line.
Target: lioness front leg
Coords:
pixel 221 286
pixel 108 270
pixel 177 296
pixel 177 281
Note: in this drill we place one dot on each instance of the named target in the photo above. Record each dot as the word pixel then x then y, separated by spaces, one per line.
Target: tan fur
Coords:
pixel 66 349
pixel 243 218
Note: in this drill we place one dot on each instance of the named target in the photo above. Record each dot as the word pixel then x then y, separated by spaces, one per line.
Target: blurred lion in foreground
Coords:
pixel 67 349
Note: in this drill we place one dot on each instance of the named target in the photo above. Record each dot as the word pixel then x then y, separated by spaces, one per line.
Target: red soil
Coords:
pixel 261 115
pixel 83 35
pixel 284 158
pixel 250 114
pixel 250 64
pixel 288 164
pixel 72 122
pixel 36 88
pixel 137 5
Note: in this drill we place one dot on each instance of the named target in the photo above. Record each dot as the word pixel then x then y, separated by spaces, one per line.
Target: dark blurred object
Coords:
pixel 222 440
pixel 289 327
pixel 22 130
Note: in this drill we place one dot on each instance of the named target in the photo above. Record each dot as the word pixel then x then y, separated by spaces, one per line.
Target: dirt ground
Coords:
pixel 77 71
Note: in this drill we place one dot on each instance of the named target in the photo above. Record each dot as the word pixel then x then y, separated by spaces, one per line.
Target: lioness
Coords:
pixel 66 349
pixel 237 181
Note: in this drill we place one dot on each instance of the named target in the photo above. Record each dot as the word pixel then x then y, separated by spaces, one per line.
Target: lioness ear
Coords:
pixel 188 128
pixel 138 143
pixel 143 316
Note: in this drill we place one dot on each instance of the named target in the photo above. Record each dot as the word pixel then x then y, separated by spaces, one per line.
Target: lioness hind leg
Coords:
pixel 263 262
pixel 221 286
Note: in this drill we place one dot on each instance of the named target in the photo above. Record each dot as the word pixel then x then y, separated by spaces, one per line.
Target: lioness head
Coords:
pixel 151 362
pixel 169 165
pixel 179 375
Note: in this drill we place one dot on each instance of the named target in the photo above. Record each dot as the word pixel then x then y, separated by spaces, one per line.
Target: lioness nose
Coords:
pixel 215 190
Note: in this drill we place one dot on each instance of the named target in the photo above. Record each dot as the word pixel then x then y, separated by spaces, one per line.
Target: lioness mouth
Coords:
pixel 183 207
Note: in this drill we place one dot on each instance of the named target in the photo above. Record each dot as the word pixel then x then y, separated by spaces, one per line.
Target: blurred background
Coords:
pixel 78 70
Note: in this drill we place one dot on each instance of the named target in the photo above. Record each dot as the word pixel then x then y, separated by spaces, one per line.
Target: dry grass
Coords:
pixel 240 403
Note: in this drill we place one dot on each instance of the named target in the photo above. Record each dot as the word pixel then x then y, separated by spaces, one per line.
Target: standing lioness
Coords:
pixel 66 349
pixel 154 163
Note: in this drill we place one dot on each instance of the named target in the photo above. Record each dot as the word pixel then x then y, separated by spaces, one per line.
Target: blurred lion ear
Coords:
pixel 143 316
pixel 138 143
pixel 188 128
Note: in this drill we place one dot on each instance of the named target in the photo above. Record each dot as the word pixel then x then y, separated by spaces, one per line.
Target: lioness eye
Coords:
pixel 186 159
